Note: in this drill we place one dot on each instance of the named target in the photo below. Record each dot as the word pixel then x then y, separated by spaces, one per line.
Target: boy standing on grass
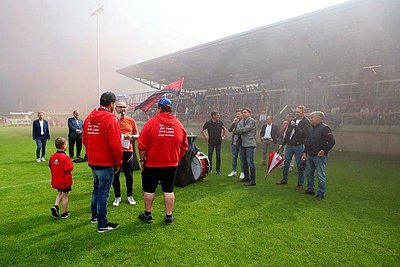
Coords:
pixel 61 178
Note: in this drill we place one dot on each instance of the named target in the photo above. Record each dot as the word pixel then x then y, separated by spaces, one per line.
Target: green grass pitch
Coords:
pixel 218 221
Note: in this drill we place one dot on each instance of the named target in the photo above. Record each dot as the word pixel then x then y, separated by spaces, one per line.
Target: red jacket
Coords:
pixel 164 140
pixel 102 139
pixel 61 167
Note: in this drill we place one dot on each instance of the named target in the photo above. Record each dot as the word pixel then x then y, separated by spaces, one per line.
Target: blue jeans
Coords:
pixel 218 154
pixel 41 145
pixel 235 149
pixel 102 180
pixel 315 163
pixel 297 151
pixel 247 158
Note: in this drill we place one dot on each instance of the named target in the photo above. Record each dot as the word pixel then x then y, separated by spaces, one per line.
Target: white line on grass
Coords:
pixel 37 182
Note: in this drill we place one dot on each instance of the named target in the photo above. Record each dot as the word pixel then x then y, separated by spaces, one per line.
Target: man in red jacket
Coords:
pixel 162 144
pixel 101 137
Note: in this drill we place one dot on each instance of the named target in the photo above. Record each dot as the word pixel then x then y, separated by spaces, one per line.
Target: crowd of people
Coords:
pixel 109 142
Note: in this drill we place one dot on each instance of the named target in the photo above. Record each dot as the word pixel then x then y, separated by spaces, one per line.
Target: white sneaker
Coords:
pixel 43 159
pixel 117 201
pixel 232 174
pixel 38 160
pixel 241 175
pixel 131 201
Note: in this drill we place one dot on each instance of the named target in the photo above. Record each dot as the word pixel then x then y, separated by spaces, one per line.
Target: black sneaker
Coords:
pixel 319 197
pixel 93 220
pixel 55 212
pixel 65 215
pixel 109 227
pixel 169 220
pixel 308 192
pixel 249 183
pixel 145 218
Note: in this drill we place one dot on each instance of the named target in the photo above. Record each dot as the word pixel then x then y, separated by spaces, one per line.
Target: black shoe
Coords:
pixel 319 197
pixel 109 227
pixel 244 180
pixel 93 220
pixel 281 182
pixel 145 218
pixel 250 183
pixel 309 192
pixel 219 173
pixel 169 220
pixel 65 215
pixel 55 212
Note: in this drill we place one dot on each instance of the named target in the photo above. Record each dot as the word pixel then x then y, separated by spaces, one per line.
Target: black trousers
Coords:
pixel 72 142
pixel 127 168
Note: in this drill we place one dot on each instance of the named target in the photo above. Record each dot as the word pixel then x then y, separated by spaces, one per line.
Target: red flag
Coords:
pixel 172 88
pixel 274 161
pixel 177 85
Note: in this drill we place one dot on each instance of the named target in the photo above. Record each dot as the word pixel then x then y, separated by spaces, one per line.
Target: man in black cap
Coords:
pixel 101 137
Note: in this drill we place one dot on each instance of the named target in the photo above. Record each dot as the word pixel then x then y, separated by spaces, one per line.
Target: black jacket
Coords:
pixel 274 132
pixel 300 134
pixel 319 138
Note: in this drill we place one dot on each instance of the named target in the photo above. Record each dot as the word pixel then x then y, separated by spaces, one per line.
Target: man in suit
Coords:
pixel 293 142
pixel 268 135
pixel 75 134
pixel 40 134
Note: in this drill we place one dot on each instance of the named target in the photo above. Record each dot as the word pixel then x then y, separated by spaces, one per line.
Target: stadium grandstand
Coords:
pixel 344 60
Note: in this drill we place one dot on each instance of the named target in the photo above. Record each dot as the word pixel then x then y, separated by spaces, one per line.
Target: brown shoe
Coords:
pixel 281 182
pixel 299 188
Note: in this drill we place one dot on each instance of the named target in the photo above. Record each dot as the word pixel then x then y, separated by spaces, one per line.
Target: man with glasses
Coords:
pixel 129 133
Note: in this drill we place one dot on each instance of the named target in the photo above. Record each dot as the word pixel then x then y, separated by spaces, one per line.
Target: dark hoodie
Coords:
pixel 102 139
pixel 164 140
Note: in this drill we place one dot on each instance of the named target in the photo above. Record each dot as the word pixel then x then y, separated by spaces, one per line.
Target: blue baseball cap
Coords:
pixel 164 102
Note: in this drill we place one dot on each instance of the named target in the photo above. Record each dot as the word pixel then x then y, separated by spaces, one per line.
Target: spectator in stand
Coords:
pixel 102 139
pixel 318 143
pixel 235 145
pixel 216 133
pixel 247 130
pixel 293 143
pixel 75 126
pixel 40 134
pixel 129 133
pixel 268 135
pixel 162 144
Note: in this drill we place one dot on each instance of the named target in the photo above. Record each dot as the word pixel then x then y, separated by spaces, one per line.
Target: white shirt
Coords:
pixel 293 130
pixel 41 127
pixel 268 129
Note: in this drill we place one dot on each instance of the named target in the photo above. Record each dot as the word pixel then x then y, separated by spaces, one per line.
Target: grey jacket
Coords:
pixel 247 131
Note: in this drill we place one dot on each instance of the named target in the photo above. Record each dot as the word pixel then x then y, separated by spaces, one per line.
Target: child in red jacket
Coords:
pixel 61 178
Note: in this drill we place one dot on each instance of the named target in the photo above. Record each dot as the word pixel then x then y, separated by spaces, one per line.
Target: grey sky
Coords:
pixel 48 56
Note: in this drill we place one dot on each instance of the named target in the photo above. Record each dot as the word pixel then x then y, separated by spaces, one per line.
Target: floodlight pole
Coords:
pixel 97 14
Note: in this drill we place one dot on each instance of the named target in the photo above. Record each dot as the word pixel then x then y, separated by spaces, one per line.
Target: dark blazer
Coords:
pixel 274 132
pixel 300 134
pixel 72 127
pixel 36 130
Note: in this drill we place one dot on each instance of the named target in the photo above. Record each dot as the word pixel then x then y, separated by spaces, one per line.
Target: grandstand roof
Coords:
pixel 352 35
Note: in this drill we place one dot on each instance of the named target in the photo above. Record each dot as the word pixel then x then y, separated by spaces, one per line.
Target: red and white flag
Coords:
pixel 172 88
pixel 274 161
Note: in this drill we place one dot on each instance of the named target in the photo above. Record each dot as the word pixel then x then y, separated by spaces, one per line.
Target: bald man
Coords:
pixel 129 133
